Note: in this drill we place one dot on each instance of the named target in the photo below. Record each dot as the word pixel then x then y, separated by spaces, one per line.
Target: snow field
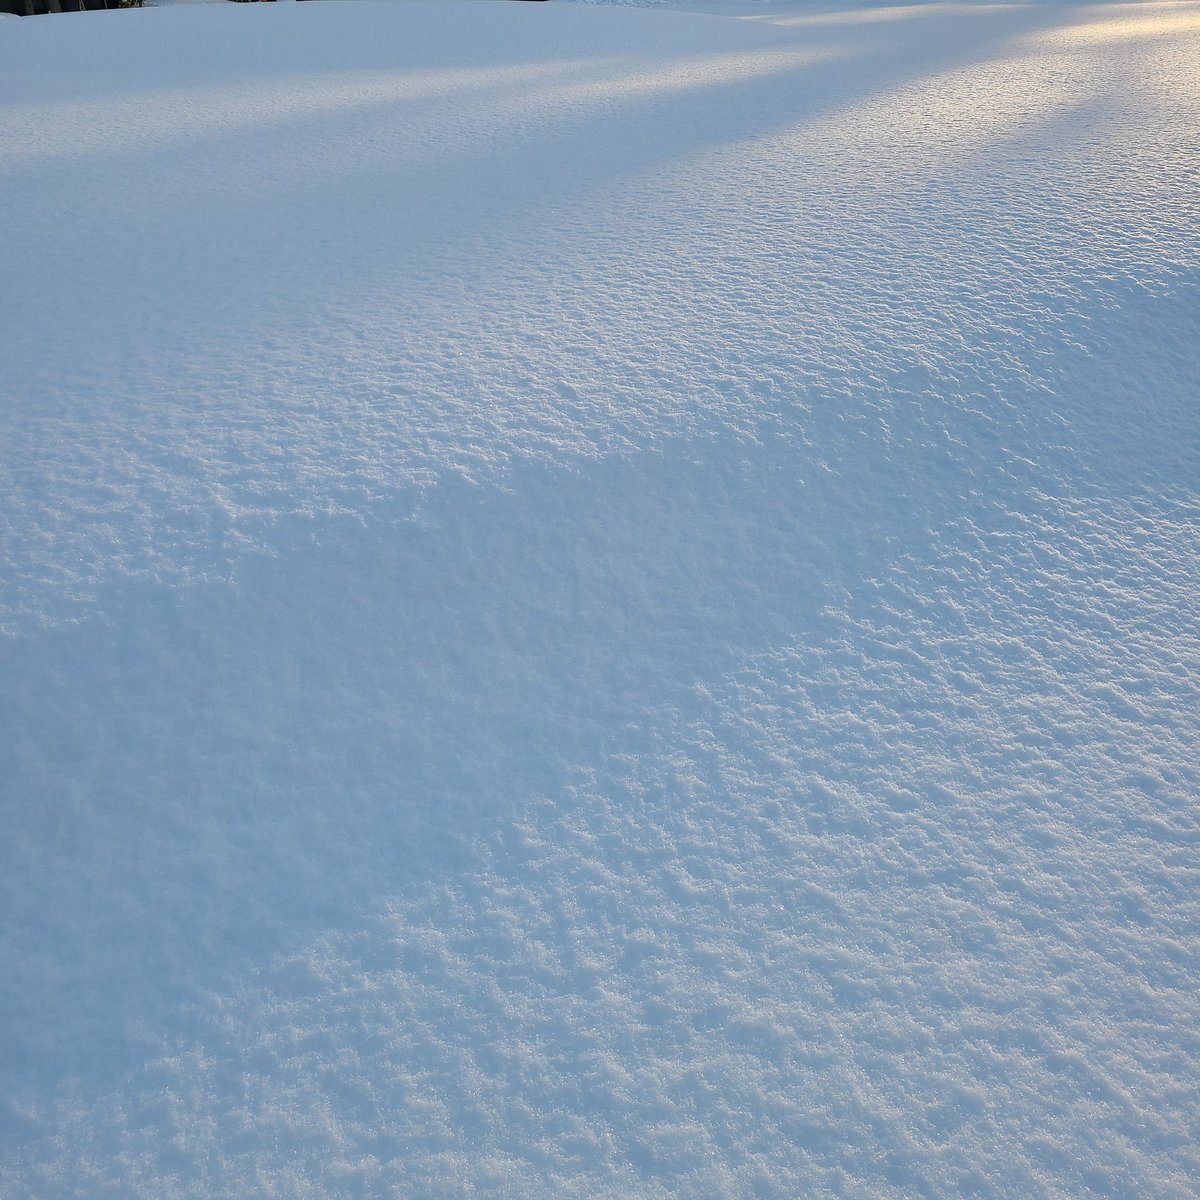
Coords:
pixel 600 602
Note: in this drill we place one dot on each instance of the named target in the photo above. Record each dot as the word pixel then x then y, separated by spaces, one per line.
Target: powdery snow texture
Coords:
pixel 600 602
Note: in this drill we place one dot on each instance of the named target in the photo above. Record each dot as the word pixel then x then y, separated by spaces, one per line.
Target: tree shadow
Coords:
pixel 207 774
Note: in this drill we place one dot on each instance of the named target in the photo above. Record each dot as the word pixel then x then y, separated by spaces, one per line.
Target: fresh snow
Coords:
pixel 600 602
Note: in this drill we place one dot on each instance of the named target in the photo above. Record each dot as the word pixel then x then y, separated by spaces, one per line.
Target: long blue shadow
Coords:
pixel 211 772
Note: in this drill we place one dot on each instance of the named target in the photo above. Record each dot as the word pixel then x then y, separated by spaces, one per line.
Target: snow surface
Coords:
pixel 600 602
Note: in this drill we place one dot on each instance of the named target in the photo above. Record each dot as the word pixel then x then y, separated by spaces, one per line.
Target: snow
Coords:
pixel 600 601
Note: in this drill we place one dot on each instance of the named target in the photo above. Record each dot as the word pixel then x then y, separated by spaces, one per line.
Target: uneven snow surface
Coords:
pixel 600 602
